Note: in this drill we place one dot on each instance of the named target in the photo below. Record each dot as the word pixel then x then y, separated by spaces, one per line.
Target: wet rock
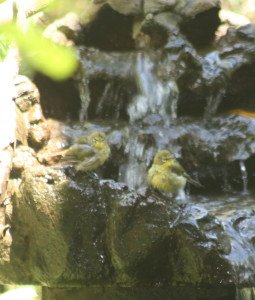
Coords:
pixel 26 93
pixel 38 135
pixel 126 7
pixel 210 151
pixel 194 7
pixel 157 6
pixel 55 98
pixel 68 222
pixel 73 229
pixel 200 22
pixel 110 30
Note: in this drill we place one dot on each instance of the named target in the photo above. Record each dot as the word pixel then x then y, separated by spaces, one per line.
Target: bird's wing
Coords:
pixel 82 140
pixel 79 152
pixel 178 169
pixel 89 164
pixel 193 181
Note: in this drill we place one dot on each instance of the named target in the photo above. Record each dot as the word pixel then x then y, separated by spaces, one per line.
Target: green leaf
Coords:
pixel 51 59
pixel 4 46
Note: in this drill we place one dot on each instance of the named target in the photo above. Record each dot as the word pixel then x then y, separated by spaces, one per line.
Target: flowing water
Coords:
pixel 153 124
pixel 85 98
pixel 154 96
pixel 244 176
pixel 213 73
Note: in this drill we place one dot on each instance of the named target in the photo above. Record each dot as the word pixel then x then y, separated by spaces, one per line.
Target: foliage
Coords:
pixel 54 60
pixel 4 46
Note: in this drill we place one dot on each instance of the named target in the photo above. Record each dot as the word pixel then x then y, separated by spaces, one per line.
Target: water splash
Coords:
pixel 83 87
pixel 226 184
pixel 139 158
pixel 213 102
pixel 155 96
pixel 100 106
pixel 214 74
pixel 244 176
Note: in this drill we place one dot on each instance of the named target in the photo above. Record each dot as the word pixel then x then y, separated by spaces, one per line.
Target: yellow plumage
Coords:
pixel 166 174
pixel 89 153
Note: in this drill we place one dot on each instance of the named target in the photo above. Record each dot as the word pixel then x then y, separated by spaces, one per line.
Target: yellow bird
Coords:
pixel 167 175
pixel 89 152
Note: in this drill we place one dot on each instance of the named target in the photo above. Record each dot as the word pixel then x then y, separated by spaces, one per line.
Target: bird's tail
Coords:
pixel 194 182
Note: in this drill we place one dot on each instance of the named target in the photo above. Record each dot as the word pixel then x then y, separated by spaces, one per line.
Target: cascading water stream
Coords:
pixel 85 98
pixel 148 96
pixel 244 176
pixel 213 72
pixel 155 96
pixel 139 157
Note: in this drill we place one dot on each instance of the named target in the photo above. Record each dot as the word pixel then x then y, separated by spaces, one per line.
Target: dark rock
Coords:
pixel 73 229
pixel 26 93
pixel 152 6
pixel 192 8
pixel 127 7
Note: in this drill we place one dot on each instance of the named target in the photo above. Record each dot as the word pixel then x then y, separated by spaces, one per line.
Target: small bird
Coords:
pixel 89 152
pixel 167 175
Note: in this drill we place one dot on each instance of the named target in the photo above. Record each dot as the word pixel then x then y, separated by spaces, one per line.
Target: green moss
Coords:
pixel 185 262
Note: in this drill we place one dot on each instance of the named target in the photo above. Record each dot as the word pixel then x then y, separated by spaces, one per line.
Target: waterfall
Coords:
pixel 226 184
pixel 139 158
pixel 104 96
pixel 85 98
pixel 244 176
pixel 214 74
pixel 155 96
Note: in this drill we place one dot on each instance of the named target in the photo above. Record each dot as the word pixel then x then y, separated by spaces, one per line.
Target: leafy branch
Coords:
pixel 42 54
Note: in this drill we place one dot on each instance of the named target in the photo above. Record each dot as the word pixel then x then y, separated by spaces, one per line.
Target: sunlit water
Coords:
pixel 213 72
pixel 155 95
pixel 139 158
pixel 156 101
pixel 244 176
